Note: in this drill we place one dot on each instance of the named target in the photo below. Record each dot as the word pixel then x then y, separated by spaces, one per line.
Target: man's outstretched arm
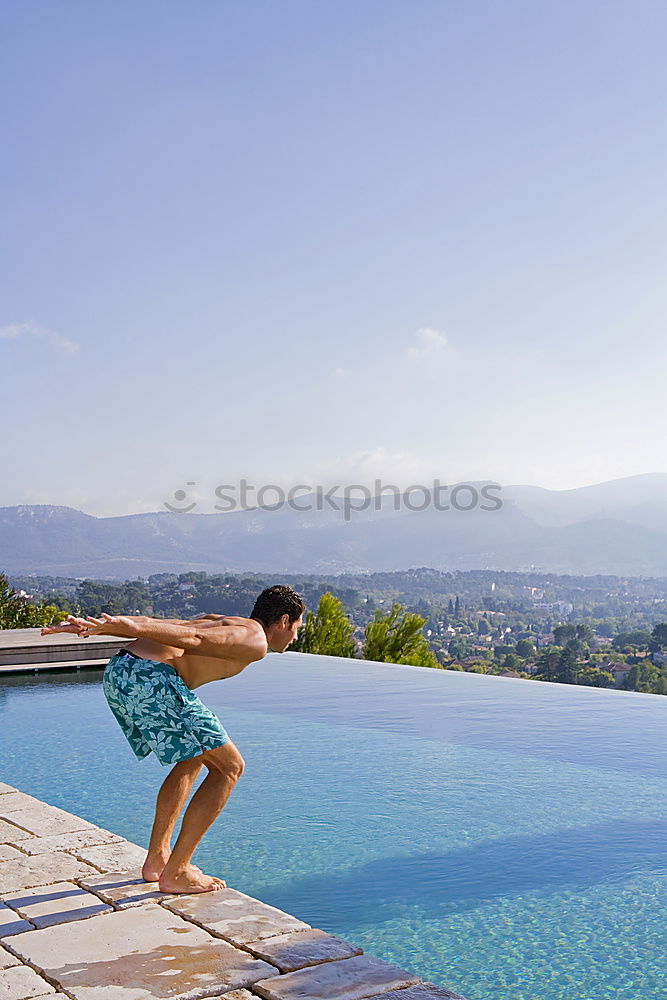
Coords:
pixel 70 625
pixel 207 639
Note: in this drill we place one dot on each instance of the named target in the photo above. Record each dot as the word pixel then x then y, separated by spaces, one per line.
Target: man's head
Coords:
pixel 280 610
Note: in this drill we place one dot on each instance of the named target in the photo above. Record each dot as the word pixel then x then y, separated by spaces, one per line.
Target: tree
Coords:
pixel 457 606
pixel 396 637
pixel 477 667
pixel 632 641
pixel 458 648
pixel 525 649
pixel 512 662
pixel 20 612
pixel 328 632
pixel 659 635
pixel 547 664
pixel 594 677
pixel 646 677
pixel 568 667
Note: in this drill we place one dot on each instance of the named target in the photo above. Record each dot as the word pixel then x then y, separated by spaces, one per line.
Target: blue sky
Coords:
pixel 309 242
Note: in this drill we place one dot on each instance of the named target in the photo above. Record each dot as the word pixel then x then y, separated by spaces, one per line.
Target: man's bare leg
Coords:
pixel 171 799
pixel 225 767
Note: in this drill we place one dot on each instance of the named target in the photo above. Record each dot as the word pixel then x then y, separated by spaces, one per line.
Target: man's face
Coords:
pixel 285 634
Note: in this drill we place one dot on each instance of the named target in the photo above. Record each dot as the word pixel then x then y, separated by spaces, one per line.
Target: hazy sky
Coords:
pixel 320 242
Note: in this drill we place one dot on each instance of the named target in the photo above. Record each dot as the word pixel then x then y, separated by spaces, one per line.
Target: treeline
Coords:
pixel 402 617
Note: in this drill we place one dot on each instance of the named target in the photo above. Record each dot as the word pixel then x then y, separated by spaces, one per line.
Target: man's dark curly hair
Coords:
pixel 274 602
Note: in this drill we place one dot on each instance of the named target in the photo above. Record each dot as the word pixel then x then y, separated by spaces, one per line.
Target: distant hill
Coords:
pixel 617 527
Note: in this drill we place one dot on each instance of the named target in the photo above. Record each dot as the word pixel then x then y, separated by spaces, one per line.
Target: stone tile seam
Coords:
pixel 17 847
pixel 6 819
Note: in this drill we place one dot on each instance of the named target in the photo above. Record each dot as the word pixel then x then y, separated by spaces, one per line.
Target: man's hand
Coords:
pixel 127 628
pixel 70 624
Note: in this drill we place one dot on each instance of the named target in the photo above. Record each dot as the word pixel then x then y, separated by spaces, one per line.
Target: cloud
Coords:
pixel 339 371
pixel 31 329
pixel 366 464
pixel 432 343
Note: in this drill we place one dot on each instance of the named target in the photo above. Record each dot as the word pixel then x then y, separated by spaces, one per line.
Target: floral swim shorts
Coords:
pixel 157 711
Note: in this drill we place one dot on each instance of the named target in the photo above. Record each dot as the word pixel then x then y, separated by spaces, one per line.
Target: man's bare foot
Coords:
pixel 154 865
pixel 190 880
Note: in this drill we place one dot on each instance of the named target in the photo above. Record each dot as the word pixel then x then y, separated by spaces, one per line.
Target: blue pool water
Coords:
pixel 501 837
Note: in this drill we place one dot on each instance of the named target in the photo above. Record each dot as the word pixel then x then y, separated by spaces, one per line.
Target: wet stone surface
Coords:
pixel 234 916
pixel 136 954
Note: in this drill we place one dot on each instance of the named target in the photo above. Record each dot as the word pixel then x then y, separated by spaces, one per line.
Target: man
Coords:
pixel 148 685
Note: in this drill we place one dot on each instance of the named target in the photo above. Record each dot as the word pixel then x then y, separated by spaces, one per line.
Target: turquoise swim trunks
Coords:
pixel 157 711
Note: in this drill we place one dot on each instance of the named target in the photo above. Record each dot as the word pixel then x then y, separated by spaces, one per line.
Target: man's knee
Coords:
pixel 225 760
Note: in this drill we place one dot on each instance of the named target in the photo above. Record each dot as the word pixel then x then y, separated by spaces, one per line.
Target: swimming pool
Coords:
pixel 502 837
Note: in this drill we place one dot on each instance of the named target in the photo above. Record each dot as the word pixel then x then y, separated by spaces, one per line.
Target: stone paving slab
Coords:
pixel 10 834
pixel 9 853
pixel 302 948
pixel 22 983
pixel 349 979
pixel 10 922
pixel 6 959
pixel 56 904
pixel 69 842
pixel 27 873
pixel 6 788
pixel 113 857
pixel 421 991
pixel 135 954
pixel 14 801
pixel 234 916
pixel 43 820
pixel 123 889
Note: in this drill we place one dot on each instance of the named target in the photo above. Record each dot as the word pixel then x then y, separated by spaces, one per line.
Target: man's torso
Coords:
pixel 193 668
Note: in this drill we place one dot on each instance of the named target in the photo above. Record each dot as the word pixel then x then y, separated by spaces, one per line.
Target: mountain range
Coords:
pixel 617 527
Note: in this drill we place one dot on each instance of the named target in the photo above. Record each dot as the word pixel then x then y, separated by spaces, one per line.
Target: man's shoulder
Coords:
pixel 254 630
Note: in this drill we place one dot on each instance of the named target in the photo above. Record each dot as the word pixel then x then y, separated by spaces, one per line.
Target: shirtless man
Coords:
pixel 148 685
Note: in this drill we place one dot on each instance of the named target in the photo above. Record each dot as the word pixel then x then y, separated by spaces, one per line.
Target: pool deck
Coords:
pixel 77 921
pixel 24 650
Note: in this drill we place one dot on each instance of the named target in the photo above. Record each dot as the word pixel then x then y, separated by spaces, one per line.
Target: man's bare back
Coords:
pixel 196 669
